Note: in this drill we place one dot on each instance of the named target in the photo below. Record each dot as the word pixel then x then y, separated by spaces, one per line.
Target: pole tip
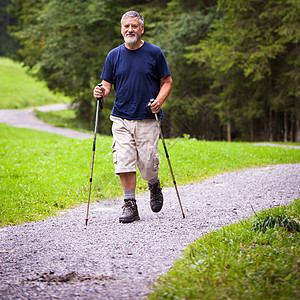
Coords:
pixel 183 215
pixel 86 221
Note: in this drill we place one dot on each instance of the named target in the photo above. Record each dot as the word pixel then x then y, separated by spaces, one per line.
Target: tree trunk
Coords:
pixel 228 131
pixel 297 128
pixel 285 127
pixel 270 126
pixel 291 137
pixel 251 130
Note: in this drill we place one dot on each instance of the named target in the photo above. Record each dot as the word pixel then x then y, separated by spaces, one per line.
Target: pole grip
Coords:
pixel 101 98
pixel 156 115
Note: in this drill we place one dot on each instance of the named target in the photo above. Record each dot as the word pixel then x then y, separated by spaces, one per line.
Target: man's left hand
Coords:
pixel 155 106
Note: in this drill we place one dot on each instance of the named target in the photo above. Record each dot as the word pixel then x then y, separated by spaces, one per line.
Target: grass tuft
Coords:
pixel 277 218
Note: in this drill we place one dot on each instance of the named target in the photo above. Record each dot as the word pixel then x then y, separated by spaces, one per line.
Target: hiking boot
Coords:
pixel 130 211
pixel 156 196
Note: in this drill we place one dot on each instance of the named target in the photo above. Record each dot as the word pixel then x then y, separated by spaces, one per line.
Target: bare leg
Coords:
pixel 128 180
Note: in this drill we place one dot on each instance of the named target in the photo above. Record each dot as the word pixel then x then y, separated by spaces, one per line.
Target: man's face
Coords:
pixel 131 30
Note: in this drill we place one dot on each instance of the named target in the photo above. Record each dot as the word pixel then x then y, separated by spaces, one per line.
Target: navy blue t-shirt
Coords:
pixel 136 76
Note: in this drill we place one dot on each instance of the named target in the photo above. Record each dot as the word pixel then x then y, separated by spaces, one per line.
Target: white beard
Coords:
pixel 131 40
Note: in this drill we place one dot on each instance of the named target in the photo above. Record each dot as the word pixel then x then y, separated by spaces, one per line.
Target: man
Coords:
pixel 139 72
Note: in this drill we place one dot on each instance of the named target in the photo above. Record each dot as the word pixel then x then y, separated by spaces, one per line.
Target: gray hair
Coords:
pixel 133 14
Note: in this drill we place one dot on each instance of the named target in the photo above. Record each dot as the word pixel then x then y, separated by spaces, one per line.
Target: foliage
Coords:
pixel 7 45
pixel 66 43
pixel 182 24
pixel 42 173
pixel 237 263
pixel 237 60
pixel 251 54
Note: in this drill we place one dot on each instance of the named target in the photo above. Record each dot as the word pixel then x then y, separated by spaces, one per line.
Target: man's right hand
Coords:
pixel 99 91
pixel 102 91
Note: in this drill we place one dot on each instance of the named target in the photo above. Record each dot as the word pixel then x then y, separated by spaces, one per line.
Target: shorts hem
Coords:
pixel 118 172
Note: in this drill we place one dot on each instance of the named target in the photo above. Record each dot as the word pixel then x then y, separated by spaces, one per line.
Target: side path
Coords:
pixel 27 119
pixel 60 258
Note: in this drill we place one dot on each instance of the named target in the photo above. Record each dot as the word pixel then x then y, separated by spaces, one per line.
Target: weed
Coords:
pixel 277 218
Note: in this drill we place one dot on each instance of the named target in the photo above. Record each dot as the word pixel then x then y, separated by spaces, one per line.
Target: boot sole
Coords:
pixel 129 220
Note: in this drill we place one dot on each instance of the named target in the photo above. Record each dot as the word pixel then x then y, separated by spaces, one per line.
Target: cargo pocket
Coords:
pixel 155 161
pixel 114 152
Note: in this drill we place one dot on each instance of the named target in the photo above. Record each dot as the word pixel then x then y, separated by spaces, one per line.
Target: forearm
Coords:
pixel 165 89
pixel 164 92
pixel 107 87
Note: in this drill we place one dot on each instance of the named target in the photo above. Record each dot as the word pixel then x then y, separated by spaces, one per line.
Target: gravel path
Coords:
pixel 61 258
pixel 27 119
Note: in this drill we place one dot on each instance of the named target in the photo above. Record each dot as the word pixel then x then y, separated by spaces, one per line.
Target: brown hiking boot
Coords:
pixel 130 211
pixel 156 197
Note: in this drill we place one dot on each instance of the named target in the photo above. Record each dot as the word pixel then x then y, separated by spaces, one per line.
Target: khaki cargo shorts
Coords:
pixel 135 144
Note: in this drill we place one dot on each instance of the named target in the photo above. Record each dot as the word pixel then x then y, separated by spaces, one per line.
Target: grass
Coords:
pixel 42 173
pixel 67 118
pixel 64 118
pixel 19 90
pixel 239 261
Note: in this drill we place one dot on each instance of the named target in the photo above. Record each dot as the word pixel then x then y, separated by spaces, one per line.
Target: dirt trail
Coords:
pixel 27 119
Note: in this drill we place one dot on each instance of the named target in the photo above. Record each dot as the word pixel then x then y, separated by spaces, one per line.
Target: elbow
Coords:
pixel 170 83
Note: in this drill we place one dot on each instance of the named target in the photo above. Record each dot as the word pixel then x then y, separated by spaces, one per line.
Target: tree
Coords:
pixel 235 64
pixel 174 28
pixel 7 45
pixel 65 43
pixel 243 52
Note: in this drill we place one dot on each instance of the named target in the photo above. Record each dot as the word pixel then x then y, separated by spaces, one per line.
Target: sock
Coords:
pixel 153 181
pixel 129 194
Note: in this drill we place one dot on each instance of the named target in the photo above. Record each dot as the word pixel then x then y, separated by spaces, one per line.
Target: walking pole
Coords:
pixel 99 102
pixel 168 159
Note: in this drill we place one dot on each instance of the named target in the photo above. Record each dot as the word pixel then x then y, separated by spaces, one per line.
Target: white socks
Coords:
pixel 129 194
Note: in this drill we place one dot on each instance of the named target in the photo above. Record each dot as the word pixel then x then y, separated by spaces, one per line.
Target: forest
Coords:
pixel 235 64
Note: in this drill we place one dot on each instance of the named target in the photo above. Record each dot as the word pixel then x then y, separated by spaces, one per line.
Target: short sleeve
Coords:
pixel 107 72
pixel 162 66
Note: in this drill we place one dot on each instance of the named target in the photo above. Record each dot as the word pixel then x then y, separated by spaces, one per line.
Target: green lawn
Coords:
pixel 42 173
pixel 65 118
pixel 254 259
pixel 19 90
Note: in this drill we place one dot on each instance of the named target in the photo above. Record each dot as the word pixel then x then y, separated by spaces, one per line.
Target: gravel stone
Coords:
pixel 111 260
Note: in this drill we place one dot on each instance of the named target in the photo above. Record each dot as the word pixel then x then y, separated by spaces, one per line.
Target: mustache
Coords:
pixel 130 33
